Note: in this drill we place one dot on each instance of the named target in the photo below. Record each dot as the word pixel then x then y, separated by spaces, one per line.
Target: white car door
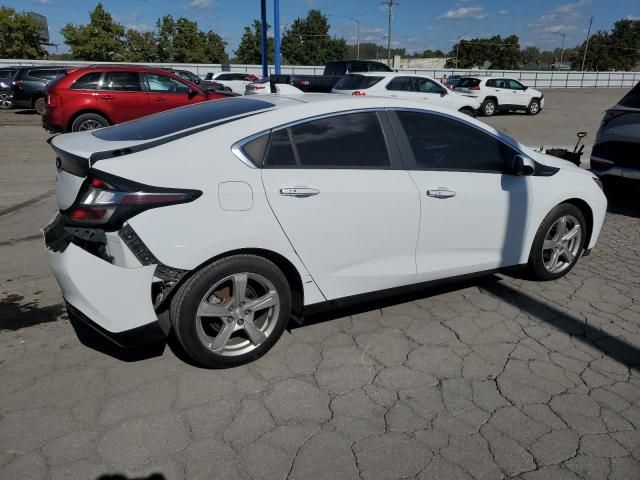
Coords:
pixel 474 215
pixel 344 201
pixel 518 93
pixel 433 93
pixel 503 92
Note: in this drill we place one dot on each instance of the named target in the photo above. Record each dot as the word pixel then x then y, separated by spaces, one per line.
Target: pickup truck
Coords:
pixel 333 71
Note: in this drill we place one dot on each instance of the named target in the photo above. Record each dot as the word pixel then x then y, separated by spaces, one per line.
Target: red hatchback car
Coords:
pixel 96 97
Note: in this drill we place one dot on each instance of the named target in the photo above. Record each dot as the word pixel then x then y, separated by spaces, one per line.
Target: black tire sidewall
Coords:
pixel 484 106
pixel 536 266
pixel 187 300
pixel 88 116
pixel 535 100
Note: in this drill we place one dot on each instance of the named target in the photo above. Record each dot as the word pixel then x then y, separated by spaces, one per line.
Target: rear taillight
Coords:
pixel 359 93
pixel 15 83
pixel 304 82
pixel 53 100
pixel 108 201
pixel 475 87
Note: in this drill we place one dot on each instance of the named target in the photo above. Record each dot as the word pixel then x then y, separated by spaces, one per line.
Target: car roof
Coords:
pixel 391 74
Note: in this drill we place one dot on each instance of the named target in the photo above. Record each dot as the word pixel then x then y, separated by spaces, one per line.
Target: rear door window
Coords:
pixel 357 82
pixel 402 84
pixel 88 81
pixel 353 141
pixel 121 82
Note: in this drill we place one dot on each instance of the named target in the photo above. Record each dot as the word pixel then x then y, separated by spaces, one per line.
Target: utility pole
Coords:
pixel 276 36
pixel 584 58
pixel 263 22
pixel 563 39
pixel 458 47
pixel 357 37
pixel 389 4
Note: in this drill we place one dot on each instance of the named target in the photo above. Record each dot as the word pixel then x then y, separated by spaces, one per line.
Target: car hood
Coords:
pixel 552 161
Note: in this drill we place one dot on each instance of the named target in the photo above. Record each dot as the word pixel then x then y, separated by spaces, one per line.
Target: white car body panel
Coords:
pixel 449 99
pixel 367 230
pixel 505 96
pixel 236 86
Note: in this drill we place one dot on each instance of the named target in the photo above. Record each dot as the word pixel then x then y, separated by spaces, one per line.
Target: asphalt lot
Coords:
pixel 495 378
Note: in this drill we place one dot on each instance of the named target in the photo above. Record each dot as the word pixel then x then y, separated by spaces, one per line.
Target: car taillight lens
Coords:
pixel 359 93
pixel 108 201
pixel 53 100
pixel 15 83
pixel 476 87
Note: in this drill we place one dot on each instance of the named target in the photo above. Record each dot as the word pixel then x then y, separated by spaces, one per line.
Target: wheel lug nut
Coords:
pixel 240 321
pixel 248 312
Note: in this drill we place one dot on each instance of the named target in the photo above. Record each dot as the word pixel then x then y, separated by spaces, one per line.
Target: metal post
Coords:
pixel 389 4
pixel 276 35
pixel 357 37
pixel 263 19
pixel 584 58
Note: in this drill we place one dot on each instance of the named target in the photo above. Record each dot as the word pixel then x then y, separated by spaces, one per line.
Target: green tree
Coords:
pixel 615 50
pixel 140 47
pixel 182 41
pixel 308 42
pixel 19 35
pixel 102 39
pixel 494 52
pixel 215 48
pixel 250 48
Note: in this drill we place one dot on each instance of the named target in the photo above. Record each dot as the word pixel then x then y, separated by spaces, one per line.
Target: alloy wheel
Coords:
pixel 489 108
pixel 561 244
pixel 533 108
pixel 5 101
pixel 237 314
pixel 89 125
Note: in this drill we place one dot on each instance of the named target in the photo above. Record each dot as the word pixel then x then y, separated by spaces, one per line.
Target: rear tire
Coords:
pixel 534 107
pixel 6 102
pixel 232 311
pixel 40 105
pixel 489 107
pixel 88 121
pixel 558 243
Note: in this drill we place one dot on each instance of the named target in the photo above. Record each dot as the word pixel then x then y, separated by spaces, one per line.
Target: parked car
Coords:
pixel 237 82
pixel 193 78
pixel 259 87
pixel 408 86
pixel 279 205
pixel 501 94
pixel 333 72
pixel 29 86
pixel 100 96
pixel 6 77
pixel 452 81
pixel 616 151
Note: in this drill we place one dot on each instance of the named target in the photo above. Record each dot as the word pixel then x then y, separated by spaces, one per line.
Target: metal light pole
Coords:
pixel 584 58
pixel 263 20
pixel 357 37
pixel 564 37
pixel 276 35
pixel 389 4
pixel 458 47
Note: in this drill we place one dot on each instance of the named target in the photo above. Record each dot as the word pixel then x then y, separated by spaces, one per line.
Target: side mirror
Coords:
pixel 522 167
pixel 197 81
pixel 444 92
pixel 524 87
pixel 192 93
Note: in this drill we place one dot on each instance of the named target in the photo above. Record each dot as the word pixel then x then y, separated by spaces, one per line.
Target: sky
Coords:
pixel 417 24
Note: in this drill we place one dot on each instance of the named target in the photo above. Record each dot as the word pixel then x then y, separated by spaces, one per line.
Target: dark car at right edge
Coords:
pixel 616 151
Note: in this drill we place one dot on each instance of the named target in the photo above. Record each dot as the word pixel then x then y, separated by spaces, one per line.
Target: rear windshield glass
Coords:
pixel 172 121
pixel 632 99
pixel 468 82
pixel 4 74
pixel 355 82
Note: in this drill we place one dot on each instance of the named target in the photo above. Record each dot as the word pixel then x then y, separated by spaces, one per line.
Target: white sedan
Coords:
pixel 223 220
pixel 407 86
pixel 237 82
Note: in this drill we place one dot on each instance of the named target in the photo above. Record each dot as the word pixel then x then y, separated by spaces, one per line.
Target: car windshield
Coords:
pixel 468 82
pixel 355 82
pixel 176 120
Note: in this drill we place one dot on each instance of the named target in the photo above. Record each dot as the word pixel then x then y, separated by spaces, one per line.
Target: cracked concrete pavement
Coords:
pixel 494 378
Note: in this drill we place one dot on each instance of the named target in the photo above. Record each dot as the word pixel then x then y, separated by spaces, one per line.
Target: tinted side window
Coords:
pixel 439 143
pixel 491 83
pixel 425 85
pixel 165 84
pixel 225 76
pixel 43 74
pixel 88 81
pixel 401 84
pixel 345 141
pixel 280 152
pixel 121 81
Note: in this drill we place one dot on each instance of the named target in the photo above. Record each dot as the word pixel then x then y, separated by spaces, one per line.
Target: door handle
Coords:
pixel 441 192
pixel 159 99
pixel 300 192
pixel 106 97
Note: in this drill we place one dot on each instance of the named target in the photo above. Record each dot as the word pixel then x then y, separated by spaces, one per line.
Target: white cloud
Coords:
pixel 200 4
pixel 461 13
pixel 631 17
pixel 141 27
pixel 503 12
pixel 45 2
pixel 563 18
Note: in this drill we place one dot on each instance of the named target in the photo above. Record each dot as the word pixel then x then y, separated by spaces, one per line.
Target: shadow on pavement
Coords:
pixel 615 348
pixel 14 314
pixel 622 195
pixel 29 111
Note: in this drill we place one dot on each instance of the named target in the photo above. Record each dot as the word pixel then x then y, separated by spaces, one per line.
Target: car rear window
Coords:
pixel 5 74
pixel 632 99
pixel 44 74
pixel 468 82
pixel 356 82
pixel 173 121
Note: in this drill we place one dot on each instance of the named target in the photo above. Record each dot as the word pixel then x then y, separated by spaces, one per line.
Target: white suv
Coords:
pixel 408 86
pixel 496 93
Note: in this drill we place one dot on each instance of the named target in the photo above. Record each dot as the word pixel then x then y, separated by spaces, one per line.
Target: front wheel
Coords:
pixel 488 107
pixel 558 243
pixel 40 105
pixel 534 107
pixel 232 311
